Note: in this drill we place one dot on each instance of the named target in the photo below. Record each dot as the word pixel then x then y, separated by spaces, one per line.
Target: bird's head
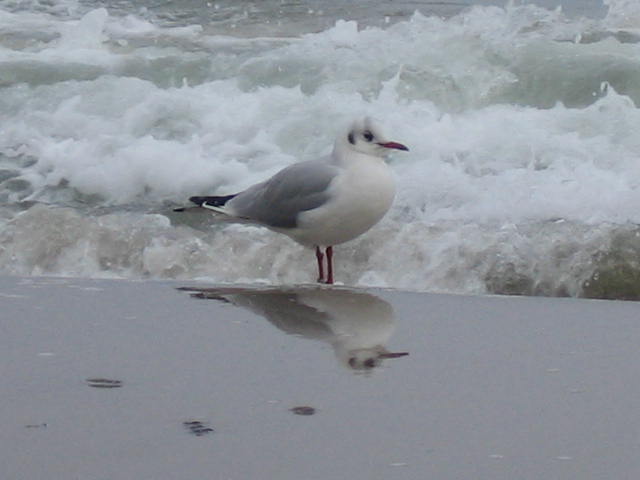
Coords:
pixel 364 136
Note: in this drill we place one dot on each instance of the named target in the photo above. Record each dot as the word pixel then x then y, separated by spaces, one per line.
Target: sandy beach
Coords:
pixel 162 380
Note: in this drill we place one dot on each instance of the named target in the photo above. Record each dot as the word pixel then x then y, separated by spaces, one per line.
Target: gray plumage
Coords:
pixel 278 201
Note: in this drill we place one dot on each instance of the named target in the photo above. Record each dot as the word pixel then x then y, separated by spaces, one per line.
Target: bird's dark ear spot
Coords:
pixel 352 140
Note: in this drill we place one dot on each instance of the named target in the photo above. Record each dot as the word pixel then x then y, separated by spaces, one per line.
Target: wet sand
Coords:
pixel 121 379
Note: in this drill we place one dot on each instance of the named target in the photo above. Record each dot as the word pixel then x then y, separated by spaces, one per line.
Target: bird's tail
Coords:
pixel 212 203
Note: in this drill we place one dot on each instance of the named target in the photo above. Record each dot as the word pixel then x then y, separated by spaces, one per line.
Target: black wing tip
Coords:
pixel 198 200
pixel 212 201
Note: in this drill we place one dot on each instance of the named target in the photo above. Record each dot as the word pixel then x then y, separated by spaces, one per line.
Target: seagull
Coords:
pixel 324 202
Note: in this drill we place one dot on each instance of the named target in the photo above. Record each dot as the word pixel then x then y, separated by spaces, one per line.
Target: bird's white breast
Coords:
pixel 359 197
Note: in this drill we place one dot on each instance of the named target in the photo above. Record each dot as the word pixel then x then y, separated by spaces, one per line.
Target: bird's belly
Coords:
pixel 350 213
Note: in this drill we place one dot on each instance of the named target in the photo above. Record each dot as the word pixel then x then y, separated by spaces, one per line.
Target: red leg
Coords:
pixel 329 252
pixel 320 258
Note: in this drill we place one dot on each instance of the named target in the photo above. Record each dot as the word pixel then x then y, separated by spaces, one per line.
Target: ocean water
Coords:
pixel 522 119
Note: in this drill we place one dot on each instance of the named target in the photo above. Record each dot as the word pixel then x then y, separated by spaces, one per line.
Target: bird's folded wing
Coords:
pixel 278 201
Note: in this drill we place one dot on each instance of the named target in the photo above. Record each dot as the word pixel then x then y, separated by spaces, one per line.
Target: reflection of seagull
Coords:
pixel 357 325
pixel 325 202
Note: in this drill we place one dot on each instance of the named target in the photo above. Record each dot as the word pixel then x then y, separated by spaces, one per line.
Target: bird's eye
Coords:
pixel 368 136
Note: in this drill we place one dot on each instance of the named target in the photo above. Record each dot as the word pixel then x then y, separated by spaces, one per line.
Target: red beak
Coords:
pixel 394 145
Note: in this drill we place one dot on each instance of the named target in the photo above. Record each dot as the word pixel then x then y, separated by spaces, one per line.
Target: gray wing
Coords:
pixel 278 201
pixel 286 311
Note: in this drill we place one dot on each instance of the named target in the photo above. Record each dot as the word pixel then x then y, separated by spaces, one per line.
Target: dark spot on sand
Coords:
pixel 303 410
pixel 103 383
pixel 197 428
pixel 39 425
